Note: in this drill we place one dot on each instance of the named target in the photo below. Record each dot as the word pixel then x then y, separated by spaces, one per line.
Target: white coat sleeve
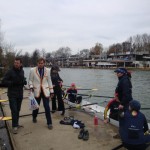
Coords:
pixel 50 82
pixel 31 77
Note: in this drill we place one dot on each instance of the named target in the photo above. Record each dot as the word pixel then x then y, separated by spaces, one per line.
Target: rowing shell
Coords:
pixel 96 110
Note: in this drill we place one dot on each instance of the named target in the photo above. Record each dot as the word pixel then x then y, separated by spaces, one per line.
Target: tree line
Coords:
pixel 134 44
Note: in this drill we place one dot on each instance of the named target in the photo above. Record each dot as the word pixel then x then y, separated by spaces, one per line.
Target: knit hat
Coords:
pixel 55 67
pixel 135 105
pixel 73 84
pixel 121 70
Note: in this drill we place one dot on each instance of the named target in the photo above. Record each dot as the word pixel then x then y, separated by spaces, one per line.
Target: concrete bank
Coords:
pixel 36 136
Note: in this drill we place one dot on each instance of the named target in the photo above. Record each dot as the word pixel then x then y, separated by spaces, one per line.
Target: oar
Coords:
pixel 88 89
pixel 78 106
pixel 5 118
pixel 5 100
pixel 145 108
pixel 78 88
pixel 10 118
pixel 118 147
pixel 90 95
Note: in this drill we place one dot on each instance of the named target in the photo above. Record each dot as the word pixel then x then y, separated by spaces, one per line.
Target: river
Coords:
pixel 105 81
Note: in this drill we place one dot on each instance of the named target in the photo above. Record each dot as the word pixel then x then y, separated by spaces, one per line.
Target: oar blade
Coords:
pixel 88 89
pixel 5 118
pixel 94 89
pixel 78 106
pixel 3 100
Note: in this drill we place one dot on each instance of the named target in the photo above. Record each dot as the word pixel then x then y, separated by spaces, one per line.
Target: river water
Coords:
pixel 105 81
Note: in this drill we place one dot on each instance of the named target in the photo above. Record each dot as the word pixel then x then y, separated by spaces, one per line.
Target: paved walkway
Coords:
pixel 36 136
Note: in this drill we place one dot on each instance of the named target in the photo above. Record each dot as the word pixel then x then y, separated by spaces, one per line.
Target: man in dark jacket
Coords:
pixel 57 82
pixel 124 88
pixel 133 126
pixel 14 79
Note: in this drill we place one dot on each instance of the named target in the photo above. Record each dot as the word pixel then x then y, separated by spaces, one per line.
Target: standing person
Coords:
pixel 124 88
pixel 57 82
pixel 14 79
pixel 133 128
pixel 112 105
pixel 40 83
pixel 72 94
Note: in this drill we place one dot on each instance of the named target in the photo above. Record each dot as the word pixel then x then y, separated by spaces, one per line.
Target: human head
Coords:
pixel 41 62
pixel 73 85
pixel 120 72
pixel 55 68
pixel 18 62
pixel 134 105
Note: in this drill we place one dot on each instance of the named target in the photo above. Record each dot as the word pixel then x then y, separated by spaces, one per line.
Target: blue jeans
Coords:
pixel 46 106
pixel 15 106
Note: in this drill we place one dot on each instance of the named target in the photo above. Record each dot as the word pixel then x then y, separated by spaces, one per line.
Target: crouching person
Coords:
pixel 72 94
pixel 133 126
pixel 112 105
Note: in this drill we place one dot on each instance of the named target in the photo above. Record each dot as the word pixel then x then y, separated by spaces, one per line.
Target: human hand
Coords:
pixel 31 90
pixel 120 107
pixel 106 120
pixel 51 95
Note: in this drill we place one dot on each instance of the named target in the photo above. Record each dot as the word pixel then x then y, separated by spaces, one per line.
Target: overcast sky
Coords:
pixel 78 24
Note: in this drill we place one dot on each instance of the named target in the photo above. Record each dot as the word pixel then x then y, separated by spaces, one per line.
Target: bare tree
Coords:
pixel 84 53
pixel 43 53
pixel 35 56
pixel 97 50
pixel 63 52
pixel 26 60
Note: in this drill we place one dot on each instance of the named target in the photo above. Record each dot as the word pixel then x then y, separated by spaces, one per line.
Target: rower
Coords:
pixel 72 94
pixel 133 126
pixel 112 105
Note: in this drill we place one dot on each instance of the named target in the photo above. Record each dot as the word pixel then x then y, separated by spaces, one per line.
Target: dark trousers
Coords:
pixel 135 147
pixel 46 107
pixel 58 94
pixel 15 106
pixel 75 99
pixel 114 116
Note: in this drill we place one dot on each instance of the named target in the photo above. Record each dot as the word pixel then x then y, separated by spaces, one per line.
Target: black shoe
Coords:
pixel 80 136
pixel 63 112
pixel 20 126
pixel 117 136
pixel 34 120
pixel 86 135
pixel 50 127
pixel 15 130
pixel 53 111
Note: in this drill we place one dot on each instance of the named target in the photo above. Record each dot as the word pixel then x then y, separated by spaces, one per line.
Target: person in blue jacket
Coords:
pixel 124 88
pixel 133 126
